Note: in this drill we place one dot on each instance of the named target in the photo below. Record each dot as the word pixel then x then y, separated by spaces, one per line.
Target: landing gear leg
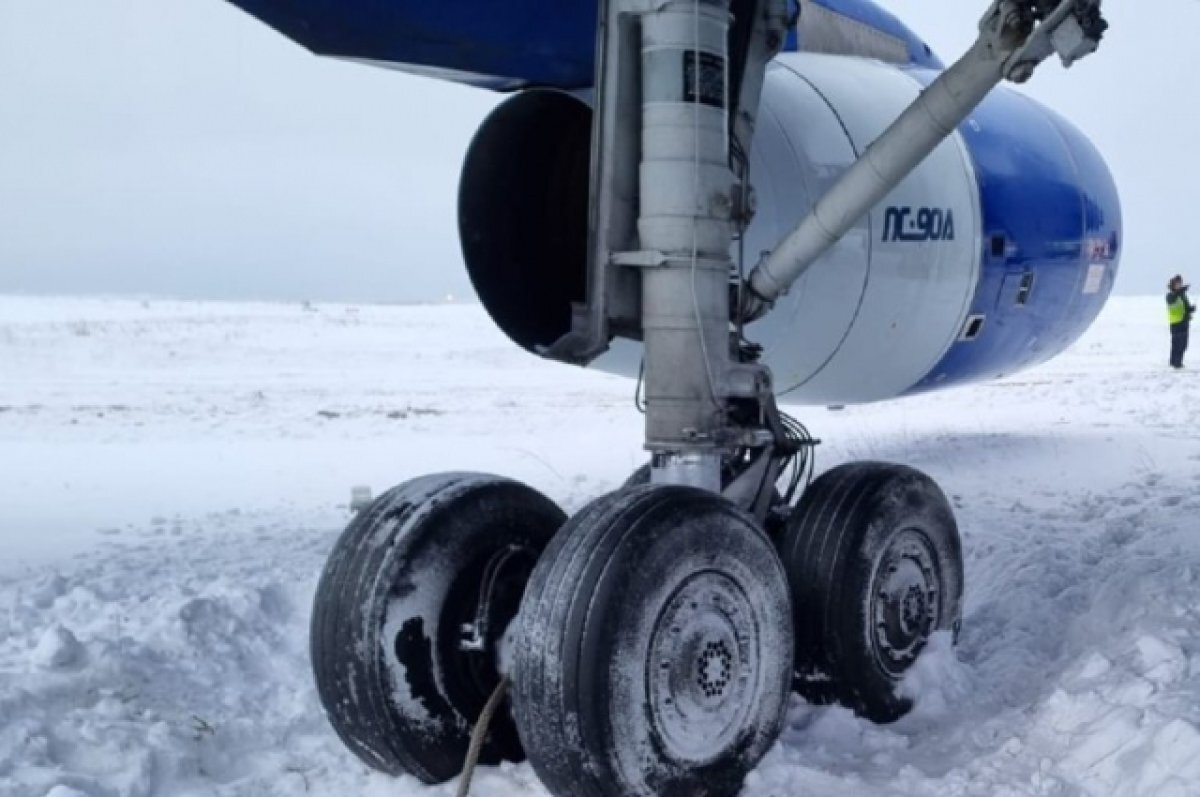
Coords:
pixel 655 640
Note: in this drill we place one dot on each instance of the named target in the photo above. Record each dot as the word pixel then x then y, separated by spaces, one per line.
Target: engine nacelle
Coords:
pixel 994 255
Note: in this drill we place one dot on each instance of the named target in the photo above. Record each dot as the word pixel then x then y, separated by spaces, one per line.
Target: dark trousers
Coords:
pixel 1179 343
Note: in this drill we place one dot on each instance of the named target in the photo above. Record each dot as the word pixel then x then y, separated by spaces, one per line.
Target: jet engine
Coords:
pixel 994 255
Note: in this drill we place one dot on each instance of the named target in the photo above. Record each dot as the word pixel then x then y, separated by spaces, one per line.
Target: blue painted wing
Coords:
pixel 495 44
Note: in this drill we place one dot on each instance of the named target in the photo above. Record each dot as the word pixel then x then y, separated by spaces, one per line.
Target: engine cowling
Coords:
pixel 994 255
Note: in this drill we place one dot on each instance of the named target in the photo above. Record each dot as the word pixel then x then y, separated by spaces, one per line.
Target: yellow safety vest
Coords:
pixel 1176 310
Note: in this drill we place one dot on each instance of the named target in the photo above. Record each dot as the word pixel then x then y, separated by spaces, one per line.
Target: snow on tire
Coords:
pixel 654 647
pixel 403 583
pixel 875 566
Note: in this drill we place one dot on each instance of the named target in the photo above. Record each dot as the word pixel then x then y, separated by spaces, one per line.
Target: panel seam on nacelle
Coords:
pixel 870 232
pixel 1070 150
pixel 968 160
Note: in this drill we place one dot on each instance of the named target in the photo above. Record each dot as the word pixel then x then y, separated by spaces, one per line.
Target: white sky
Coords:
pixel 181 147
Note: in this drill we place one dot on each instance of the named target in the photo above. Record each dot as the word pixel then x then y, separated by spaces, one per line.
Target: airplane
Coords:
pixel 740 203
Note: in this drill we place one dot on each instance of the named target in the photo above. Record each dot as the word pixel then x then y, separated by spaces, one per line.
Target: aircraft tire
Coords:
pixel 387 626
pixel 653 648
pixel 875 566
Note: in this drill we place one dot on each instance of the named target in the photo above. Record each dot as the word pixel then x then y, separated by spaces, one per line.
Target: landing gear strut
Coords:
pixel 656 638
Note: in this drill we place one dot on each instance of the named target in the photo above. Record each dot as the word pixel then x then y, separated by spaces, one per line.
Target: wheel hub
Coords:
pixel 905 605
pixel 715 668
pixel 913 609
pixel 703 667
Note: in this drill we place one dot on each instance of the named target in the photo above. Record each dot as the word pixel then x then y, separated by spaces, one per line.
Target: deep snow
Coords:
pixel 173 474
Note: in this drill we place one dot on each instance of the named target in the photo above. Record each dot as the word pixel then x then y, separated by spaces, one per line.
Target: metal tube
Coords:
pixel 1015 36
pixel 901 148
pixel 685 209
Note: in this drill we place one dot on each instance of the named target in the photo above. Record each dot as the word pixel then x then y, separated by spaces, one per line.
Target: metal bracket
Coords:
pixel 752 46
pixel 1072 30
pixel 644 259
pixel 613 294
pixel 473 636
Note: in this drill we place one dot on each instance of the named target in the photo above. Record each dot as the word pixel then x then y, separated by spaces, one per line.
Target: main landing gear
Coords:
pixel 660 630
pixel 652 640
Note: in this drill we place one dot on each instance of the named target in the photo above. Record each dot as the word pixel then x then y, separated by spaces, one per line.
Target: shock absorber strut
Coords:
pixel 685 225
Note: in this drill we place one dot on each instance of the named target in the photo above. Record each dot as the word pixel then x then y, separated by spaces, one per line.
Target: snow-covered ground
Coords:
pixel 173 474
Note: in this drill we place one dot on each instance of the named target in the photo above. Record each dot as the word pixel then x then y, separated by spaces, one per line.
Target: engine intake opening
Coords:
pixel 523 213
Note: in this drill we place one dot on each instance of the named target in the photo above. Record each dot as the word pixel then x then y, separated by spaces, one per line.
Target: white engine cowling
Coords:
pixel 995 254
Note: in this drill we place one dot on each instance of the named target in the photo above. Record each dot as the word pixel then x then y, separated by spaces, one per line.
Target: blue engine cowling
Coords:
pixel 1051 221
pixel 994 255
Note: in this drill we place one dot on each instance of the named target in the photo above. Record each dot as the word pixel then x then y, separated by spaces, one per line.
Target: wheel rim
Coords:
pixel 703 667
pixel 905 601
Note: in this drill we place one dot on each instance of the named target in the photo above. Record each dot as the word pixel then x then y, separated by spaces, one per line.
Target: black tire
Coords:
pixel 389 612
pixel 862 534
pixel 653 652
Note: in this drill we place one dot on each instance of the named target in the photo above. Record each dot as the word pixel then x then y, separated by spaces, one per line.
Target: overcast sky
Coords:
pixel 180 147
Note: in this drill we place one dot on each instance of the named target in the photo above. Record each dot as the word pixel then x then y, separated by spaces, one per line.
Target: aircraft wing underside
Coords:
pixel 510 44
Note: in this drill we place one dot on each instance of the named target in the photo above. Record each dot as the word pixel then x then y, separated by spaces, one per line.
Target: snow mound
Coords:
pixel 938 681
pixel 57 649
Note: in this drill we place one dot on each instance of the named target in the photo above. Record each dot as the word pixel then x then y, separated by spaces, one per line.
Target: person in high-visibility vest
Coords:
pixel 1179 315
